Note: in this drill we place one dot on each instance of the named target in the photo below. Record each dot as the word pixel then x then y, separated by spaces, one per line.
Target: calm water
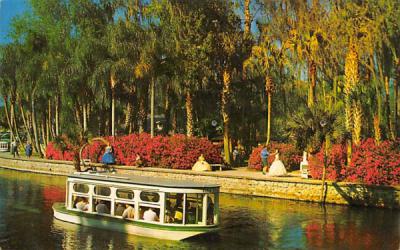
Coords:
pixel 26 222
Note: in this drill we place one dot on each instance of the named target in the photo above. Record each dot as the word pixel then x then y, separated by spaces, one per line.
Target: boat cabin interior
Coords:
pixel 145 199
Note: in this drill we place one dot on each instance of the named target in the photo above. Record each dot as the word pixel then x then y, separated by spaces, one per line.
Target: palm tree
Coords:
pixel 261 58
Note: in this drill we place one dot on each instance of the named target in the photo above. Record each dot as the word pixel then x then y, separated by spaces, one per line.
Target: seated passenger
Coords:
pixel 119 210
pixel 178 216
pixel 168 212
pixel 102 208
pixel 83 205
pixel 150 215
pixel 129 212
pixel 210 211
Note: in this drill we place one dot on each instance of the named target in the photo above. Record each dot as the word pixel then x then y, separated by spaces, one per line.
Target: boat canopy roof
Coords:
pixel 141 180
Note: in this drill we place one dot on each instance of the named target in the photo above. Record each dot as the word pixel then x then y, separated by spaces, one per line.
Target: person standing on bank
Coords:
pixel 14 148
pixel 264 159
pixel 28 150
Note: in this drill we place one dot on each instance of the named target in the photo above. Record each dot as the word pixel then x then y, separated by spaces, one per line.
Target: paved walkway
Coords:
pixel 239 172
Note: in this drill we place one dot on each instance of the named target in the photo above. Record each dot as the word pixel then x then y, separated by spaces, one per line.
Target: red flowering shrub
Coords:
pixel 178 151
pixel 375 164
pixel 288 154
pixel 255 158
pixel 54 153
pixel 336 160
pixel 370 163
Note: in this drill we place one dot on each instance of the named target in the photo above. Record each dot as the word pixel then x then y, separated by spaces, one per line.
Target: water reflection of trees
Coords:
pixel 289 224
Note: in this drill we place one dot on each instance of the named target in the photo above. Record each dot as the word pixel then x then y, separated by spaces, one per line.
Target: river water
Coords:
pixel 26 222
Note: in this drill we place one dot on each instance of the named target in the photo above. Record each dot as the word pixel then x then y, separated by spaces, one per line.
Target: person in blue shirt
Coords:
pixel 108 157
pixel 264 159
pixel 28 150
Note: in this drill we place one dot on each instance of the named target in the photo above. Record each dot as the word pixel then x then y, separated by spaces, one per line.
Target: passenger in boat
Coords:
pixel 102 208
pixel 82 204
pixel 150 215
pixel 168 212
pixel 119 210
pixel 210 211
pixel 178 214
pixel 129 212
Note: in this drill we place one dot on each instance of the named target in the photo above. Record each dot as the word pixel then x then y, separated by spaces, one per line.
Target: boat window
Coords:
pixel 126 210
pixel 173 208
pixel 102 190
pixel 125 194
pixel 149 213
pixel 81 203
pixel 149 196
pixel 81 188
pixel 102 206
pixel 194 209
pixel 210 209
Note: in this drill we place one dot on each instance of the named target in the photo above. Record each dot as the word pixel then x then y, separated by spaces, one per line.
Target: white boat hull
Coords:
pixel 126 227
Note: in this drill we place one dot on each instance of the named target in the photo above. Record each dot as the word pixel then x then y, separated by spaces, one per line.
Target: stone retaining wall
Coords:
pixel 283 188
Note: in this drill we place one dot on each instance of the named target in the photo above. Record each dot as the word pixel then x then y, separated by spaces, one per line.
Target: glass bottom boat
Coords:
pixel 145 206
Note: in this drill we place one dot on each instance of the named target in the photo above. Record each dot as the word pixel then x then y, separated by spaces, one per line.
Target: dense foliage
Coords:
pixel 177 152
pixel 371 163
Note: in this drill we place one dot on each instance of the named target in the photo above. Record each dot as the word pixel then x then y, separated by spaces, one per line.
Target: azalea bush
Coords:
pixel 371 163
pixel 288 154
pixel 375 164
pixel 178 151
pixel 336 161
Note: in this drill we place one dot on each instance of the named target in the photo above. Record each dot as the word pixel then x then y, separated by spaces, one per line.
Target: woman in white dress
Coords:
pixel 277 168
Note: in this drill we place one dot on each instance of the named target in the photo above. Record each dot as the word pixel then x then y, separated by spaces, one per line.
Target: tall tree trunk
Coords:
pixel 174 122
pixel 351 80
pixel 377 87
pixel 84 115
pixel 377 130
pixel 26 125
pixel 128 116
pixel 312 73
pixel 78 115
pixel 142 115
pixel 112 84
pixel 226 92
pixel 167 110
pixel 43 130
pixel 34 124
pixel 247 18
pixel 113 112
pixel 189 114
pixel 396 98
pixel 357 121
pixel 268 88
pixel 15 125
pixel 5 98
pixel 387 108
pixel 12 135
pixel 152 108
pixel 57 111
pixel 48 124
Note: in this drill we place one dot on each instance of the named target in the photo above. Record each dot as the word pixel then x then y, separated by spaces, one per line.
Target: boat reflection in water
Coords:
pixel 145 206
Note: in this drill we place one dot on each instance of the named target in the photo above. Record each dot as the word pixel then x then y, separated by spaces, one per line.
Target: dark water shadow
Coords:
pixel 368 195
